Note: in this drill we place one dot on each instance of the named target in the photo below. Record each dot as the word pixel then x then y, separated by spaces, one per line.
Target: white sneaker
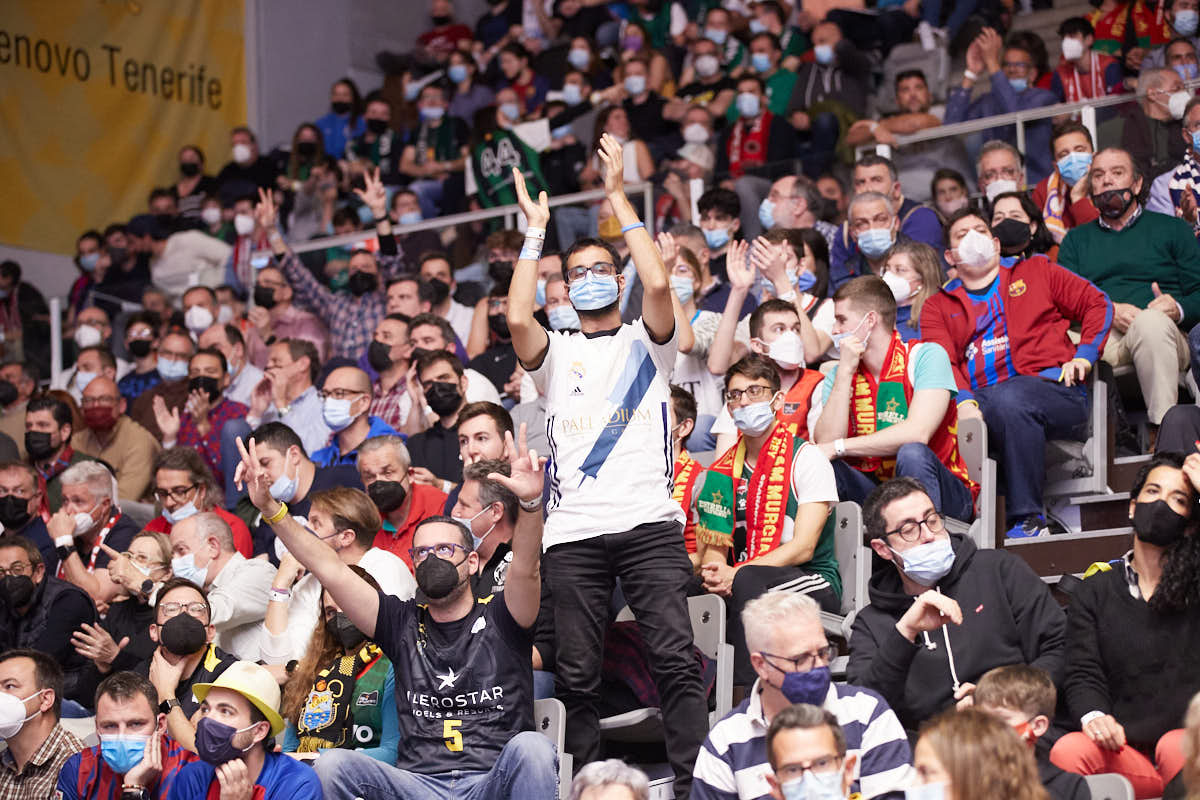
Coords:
pixel 925 34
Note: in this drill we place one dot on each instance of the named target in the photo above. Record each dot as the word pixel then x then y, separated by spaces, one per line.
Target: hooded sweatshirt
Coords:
pixel 1009 617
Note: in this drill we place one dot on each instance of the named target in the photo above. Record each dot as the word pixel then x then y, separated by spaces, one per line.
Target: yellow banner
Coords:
pixel 97 97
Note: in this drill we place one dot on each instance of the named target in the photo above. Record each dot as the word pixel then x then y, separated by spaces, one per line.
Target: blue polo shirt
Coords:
pixel 329 455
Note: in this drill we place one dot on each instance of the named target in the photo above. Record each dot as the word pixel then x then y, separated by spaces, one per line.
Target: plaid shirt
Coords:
pixel 392 407
pixel 40 775
pixel 135 383
pixel 209 446
pixel 351 320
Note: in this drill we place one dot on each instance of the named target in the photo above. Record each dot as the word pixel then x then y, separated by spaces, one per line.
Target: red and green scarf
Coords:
pixel 878 403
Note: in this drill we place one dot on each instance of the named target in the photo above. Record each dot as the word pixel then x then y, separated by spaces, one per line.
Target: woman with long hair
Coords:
pixel 344 122
pixel 913 271
pixel 1017 222
pixel 323 700
pixel 972 755
pixel 1132 635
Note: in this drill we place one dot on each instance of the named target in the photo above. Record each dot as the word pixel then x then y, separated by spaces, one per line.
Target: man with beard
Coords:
pixel 469 657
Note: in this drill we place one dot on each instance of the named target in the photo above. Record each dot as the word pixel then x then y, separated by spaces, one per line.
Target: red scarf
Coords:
pixel 687 470
pixel 748 145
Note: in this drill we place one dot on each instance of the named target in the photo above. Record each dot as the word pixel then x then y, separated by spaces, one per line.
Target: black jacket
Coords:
pixel 1060 784
pixel 57 610
pixel 1009 617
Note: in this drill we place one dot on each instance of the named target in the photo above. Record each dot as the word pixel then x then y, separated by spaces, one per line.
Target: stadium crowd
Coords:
pixel 325 520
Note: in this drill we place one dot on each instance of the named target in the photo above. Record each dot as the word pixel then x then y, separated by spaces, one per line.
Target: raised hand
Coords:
pixel 771 260
pixel 373 195
pixel 255 477
pixel 265 212
pixel 667 248
pixel 613 158
pixel 167 419
pixel 739 270
pixel 537 214
pixel 528 475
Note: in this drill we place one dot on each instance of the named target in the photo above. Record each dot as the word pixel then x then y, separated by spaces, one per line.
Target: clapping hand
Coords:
pixel 613 158
pixel 167 419
pixel 537 214
pixel 739 270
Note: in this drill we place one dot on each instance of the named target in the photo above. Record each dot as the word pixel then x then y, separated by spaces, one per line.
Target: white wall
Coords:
pixel 51 273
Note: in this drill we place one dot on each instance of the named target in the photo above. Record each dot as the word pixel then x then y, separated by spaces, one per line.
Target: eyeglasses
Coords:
pixel 822 656
pixel 96 402
pixel 338 394
pixel 143 560
pixel 441 550
pixel 911 530
pixel 174 355
pixel 17 568
pixel 818 766
pixel 198 610
pixel 601 269
pixel 1012 173
pixel 1016 65
pixel 755 391
pixel 177 493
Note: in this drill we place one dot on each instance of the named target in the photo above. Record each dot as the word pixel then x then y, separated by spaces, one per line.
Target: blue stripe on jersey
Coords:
pixel 635 380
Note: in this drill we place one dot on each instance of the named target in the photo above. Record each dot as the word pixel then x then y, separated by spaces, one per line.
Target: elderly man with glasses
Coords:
pixel 791 659
pixel 184 486
pixel 947 613
pixel 346 398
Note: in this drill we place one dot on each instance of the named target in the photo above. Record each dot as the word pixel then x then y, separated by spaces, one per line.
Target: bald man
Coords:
pixel 345 402
pixel 114 438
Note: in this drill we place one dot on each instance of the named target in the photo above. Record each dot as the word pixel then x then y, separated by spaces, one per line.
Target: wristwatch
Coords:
pixel 140 793
pixel 166 705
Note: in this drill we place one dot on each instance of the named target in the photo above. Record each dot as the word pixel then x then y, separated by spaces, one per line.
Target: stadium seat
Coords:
pixel 935 65
pixel 1109 786
pixel 707 612
pixel 1069 462
pixel 550 720
pixel 973 446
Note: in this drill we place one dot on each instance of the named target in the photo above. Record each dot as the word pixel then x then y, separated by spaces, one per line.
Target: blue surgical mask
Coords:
pixel 748 104
pixel 185 566
pixel 579 58
pixel 593 293
pixel 683 286
pixel 337 412
pixel 183 512
pixel 928 563
pixel 88 261
pixel 560 132
pixel 457 73
pixel 823 53
pixel 123 753
pixel 1186 22
pixel 1187 72
pixel 814 786
pixel 839 337
pixel 766 213
pixel 572 94
pixel 170 369
pixel 411 218
pixel 927 791
pixel 1196 141
pixel 432 113
pixel 807 687
pixel 755 418
pixel 511 110
pixel 1073 166
pixel 716 238
pixel 82 379
pixel 715 35
pixel 874 242
pixel 284 488
pixel 259 262
pixel 635 84
pixel 803 280
pixel 412 91
pixel 563 318
pixel 1018 84
pixel 757 26
pixel 760 61
pixel 539 297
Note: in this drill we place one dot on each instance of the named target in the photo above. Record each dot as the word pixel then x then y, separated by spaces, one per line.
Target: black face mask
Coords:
pixel 1158 524
pixel 140 348
pixel 379 356
pixel 441 20
pixel 1112 203
pixel 165 221
pixel 183 634
pixel 264 297
pixel 362 282
pixel 1014 236
pixel 14 512
pixel 207 385
pixel 340 107
pixel 347 634
pixel 501 272
pixel 441 290
pixel 387 495
pixel 418 353
pixel 17 590
pixel 8 393
pixel 499 325
pixel 190 169
pixel 38 445
pixel 436 577
pixel 117 255
pixel 377 126
pixel 306 150
pixel 443 397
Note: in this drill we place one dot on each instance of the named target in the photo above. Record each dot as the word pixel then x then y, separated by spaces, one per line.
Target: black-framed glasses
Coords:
pixel 822 765
pixel 601 269
pixel 177 493
pixel 197 609
pixel 911 530
pixel 17 568
pixel 339 394
pixel 444 550
pixel 755 391
pixel 822 656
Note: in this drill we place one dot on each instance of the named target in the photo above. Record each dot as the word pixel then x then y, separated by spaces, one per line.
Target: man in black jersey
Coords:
pixel 464 682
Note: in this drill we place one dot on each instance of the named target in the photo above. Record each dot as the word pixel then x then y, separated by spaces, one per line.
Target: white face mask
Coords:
pixel 1177 102
pixel 901 288
pixel 976 250
pixel 695 133
pixel 787 351
pixel 12 713
pixel 999 187
pixel 88 336
pixel 198 319
pixel 211 215
pixel 242 153
pixel 243 224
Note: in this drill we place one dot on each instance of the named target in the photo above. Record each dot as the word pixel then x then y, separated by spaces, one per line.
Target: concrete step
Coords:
pixel 1071 553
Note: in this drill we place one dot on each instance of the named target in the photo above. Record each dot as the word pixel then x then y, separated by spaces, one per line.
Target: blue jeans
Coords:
pixel 931 12
pixel 526 768
pixel 950 496
pixel 1021 414
pixel 543 684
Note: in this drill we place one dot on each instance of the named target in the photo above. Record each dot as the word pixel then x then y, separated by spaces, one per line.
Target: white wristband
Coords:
pixel 65 541
pixel 839 447
pixel 970 75
pixel 280 595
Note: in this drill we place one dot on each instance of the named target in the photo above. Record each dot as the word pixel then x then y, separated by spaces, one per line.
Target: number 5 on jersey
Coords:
pixel 452 735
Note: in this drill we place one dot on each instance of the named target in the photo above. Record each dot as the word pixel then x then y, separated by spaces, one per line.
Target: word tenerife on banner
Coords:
pixel 183 84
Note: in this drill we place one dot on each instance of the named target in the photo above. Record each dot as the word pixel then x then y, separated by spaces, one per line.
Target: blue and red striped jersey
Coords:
pixel 87 776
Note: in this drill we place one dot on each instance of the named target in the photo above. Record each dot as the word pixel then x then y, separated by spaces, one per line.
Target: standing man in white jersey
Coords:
pixel 610 512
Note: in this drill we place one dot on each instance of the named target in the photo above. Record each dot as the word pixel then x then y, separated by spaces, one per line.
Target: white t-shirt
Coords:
pixel 608 420
pixel 479 388
pixel 459 317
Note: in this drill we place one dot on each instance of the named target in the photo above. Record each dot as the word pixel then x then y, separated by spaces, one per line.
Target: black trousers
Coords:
pixel 654 570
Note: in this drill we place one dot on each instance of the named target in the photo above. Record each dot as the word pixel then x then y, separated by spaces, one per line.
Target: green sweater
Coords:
pixel 1123 264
